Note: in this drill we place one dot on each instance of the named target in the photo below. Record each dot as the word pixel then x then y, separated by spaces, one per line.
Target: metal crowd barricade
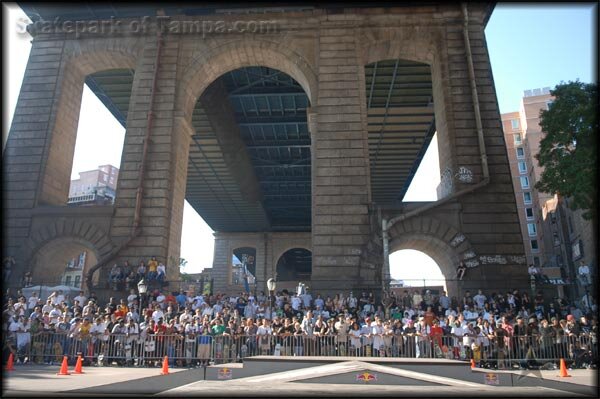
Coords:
pixel 195 350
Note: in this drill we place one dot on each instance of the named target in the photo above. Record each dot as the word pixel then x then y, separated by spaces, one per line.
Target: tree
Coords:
pixel 568 148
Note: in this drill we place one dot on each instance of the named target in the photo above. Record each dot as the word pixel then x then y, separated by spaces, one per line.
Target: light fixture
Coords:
pixel 271 284
pixel 142 286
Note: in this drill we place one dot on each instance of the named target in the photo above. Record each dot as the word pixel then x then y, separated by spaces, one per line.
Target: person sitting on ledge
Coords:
pixel 460 270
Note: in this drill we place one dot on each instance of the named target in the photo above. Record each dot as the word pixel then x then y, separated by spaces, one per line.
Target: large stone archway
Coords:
pixel 442 242
pixel 58 240
pixel 207 67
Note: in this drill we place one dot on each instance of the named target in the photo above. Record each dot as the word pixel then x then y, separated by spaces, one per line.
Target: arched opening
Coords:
pixel 100 137
pixel 63 261
pixel 268 82
pixel 417 270
pixel 249 163
pixel 295 265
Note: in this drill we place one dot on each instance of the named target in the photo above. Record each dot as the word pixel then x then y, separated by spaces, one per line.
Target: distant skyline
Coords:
pixel 530 45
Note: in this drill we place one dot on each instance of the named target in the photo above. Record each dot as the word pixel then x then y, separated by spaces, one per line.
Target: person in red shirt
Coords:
pixel 170 300
pixel 120 312
pixel 429 316
pixel 436 334
pixel 160 329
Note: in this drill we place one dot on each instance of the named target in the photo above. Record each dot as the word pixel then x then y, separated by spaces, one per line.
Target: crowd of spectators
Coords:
pixel 126 276
pixel 486 327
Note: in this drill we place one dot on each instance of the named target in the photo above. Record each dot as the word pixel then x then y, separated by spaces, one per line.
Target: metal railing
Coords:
pixel 194 350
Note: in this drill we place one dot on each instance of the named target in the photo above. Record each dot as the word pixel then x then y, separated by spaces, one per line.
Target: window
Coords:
pixel 534 245
pixel 549 104
pixel 514 123
pixel 531 229
pixel 520 152
pixel 68 280
pixel 527 197
pixel 522 167
pixel 529 213
pixel 577 250
pixel 77 281
pixel 517 138
pixel 536 261
pixel 524 182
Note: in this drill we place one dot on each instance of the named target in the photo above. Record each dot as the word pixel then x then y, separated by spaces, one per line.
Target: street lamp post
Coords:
pixel 271 285
pixel 142 288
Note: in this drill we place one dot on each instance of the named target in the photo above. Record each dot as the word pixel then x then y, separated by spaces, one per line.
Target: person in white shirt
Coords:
pixel 161 300
pixel 457 332
pixel 377 332
pixel 206 310
pixel 54 314
pixel 584 273
pixel 81 298
pixel 264 333
pixel 157 314
pixel 186 316
pixel 130 299
pixel 48 306
pixel 161 272
pixel 479 300
pixel 352 301
pixel 59 298
pixel 33 301
pixel 469 314
pixel 198 301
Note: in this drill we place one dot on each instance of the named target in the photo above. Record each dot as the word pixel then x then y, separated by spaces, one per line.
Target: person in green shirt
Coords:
pixel 218 328
pixel 396 314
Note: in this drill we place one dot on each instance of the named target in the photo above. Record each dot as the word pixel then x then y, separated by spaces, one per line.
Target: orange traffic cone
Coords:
pixel 78 369
pixel 165 368
pixel 10 363
pixel 563 369
pixel 64 368
pixel 473 364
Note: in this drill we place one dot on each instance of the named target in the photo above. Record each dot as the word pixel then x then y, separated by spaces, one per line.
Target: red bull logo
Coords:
pixel 366 377
pixel 224 374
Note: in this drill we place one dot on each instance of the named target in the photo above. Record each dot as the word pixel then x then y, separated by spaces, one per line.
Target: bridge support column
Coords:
pixel 34 170
pixel 340 184
pixel 165 172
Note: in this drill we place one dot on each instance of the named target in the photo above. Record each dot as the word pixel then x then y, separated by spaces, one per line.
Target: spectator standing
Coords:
pixel 584 274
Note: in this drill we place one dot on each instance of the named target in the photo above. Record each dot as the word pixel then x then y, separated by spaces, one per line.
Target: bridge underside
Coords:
pixel 269 111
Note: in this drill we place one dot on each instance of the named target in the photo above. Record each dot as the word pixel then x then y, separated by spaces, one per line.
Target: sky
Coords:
pixel 530 45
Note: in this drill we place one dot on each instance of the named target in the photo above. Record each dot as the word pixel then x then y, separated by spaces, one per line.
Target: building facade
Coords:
pixel 98 186
pixel 556 238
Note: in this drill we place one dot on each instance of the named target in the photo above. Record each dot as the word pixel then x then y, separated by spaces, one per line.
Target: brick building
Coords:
pixel 94 186
pixel 556 238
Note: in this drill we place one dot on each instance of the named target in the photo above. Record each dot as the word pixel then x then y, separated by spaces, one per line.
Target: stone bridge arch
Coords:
pixel 446 245
pixel 50 244
pixel 212 64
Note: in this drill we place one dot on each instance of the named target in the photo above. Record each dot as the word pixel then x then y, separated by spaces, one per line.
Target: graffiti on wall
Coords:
pixel 464 175
pixel 457 240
